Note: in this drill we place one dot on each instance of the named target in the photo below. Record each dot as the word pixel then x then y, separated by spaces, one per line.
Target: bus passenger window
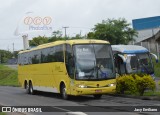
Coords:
pixel 59 53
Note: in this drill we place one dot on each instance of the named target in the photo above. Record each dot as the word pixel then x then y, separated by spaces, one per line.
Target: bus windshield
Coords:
pixel 94 62
pixel 139 63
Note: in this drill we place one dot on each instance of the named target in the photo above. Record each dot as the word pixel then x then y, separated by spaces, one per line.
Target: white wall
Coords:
pixel 147 33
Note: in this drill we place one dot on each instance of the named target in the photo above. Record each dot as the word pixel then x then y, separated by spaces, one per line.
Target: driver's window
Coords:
pixel 69 61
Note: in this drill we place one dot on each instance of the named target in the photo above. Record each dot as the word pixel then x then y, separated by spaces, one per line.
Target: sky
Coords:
pixel 79 15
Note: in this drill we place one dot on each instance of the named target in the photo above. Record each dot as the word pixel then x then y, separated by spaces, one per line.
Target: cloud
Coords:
pixel 79 15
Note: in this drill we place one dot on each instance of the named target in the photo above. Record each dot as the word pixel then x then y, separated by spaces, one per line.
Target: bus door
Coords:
pixel 70 68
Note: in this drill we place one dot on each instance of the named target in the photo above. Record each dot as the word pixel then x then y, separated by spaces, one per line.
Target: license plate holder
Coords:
pixel 98 90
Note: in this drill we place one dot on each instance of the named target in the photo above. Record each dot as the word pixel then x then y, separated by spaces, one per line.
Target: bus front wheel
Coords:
pixel 63 92
pixel 26 86
pixel 97 96
pixel 31 88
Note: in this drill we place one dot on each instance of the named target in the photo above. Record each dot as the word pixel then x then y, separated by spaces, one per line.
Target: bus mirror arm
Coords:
pixel 155 56
pixel 123 58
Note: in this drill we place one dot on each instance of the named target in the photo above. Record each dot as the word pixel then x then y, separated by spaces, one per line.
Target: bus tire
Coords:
pixel 63 92
pixel 97 96
pixel 26 87
pixel 32 92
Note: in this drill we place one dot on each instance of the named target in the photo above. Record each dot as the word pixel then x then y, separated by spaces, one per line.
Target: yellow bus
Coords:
pixel 71 67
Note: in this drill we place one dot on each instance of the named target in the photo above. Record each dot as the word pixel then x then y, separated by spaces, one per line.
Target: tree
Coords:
pixel 5 55
pixel 77 36
pixel 114 31
pixel 56 35
pixel 38 41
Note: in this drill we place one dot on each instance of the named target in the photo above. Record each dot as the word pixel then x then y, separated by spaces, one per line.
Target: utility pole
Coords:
pixel 13 50
pixel 65 31
pixel 13 47
pixel 80 33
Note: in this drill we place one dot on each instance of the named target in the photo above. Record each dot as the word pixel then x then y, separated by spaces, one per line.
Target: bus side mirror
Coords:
pixel 123 58
pixel 155 56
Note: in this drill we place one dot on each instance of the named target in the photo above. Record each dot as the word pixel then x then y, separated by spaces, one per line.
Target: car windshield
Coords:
pixel 139 63
pixel 94 62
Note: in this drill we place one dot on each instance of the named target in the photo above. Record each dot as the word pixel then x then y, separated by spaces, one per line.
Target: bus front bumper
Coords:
pixel 92 91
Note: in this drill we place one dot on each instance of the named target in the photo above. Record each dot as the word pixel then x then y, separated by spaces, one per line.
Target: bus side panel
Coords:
pixel 47 75
pixel 60 75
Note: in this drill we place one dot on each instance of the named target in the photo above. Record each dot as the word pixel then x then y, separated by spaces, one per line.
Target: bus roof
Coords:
pixel 81 41
pixel 129 49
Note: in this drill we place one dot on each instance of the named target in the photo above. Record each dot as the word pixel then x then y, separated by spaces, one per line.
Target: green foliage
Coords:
pixel 38 41
pixel 8 76
pixel 2 67
pixel 159 82
pixel 151 93
pixel 114 31
pixel 145 82
pixel 56 35
pixel 156 68
pixel 126 83
pixel 78 36
pixel 5 55
pixel 134 83
pixel 2 113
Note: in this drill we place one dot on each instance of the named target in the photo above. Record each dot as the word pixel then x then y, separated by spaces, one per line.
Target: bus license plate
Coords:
pixel 97 91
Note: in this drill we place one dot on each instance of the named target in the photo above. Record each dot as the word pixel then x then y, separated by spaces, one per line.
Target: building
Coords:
pixel 148 33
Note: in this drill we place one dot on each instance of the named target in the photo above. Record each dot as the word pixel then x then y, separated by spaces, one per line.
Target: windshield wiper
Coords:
pixel 145 68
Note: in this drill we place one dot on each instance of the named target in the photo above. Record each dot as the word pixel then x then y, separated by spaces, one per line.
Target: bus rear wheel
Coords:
pixel 63 92
pixel 97 96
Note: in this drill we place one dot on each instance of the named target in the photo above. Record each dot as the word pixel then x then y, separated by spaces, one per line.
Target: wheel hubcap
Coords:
pixel 31 90
pixel 64 92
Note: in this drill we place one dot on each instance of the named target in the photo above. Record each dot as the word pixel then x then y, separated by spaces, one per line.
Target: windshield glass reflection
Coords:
pixel 139 63
pixel 94 62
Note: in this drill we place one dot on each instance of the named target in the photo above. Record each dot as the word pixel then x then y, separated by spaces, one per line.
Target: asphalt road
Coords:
pixel 12 66
pixel 16 96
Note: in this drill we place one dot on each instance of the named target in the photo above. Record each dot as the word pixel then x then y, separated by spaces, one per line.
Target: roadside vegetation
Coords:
pixel 135 84
pixel 151 93
pixel 8 76
pixel 157 68
pixel 2 113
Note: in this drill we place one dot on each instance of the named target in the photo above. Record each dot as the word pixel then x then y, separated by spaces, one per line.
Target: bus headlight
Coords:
pixel 111 85
pixel 82 86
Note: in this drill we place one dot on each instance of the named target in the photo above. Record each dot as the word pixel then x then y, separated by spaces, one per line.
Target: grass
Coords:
pixel 146 93
pixel 151 93
pixel 2 113
pixel 157 68
pixel 8 76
